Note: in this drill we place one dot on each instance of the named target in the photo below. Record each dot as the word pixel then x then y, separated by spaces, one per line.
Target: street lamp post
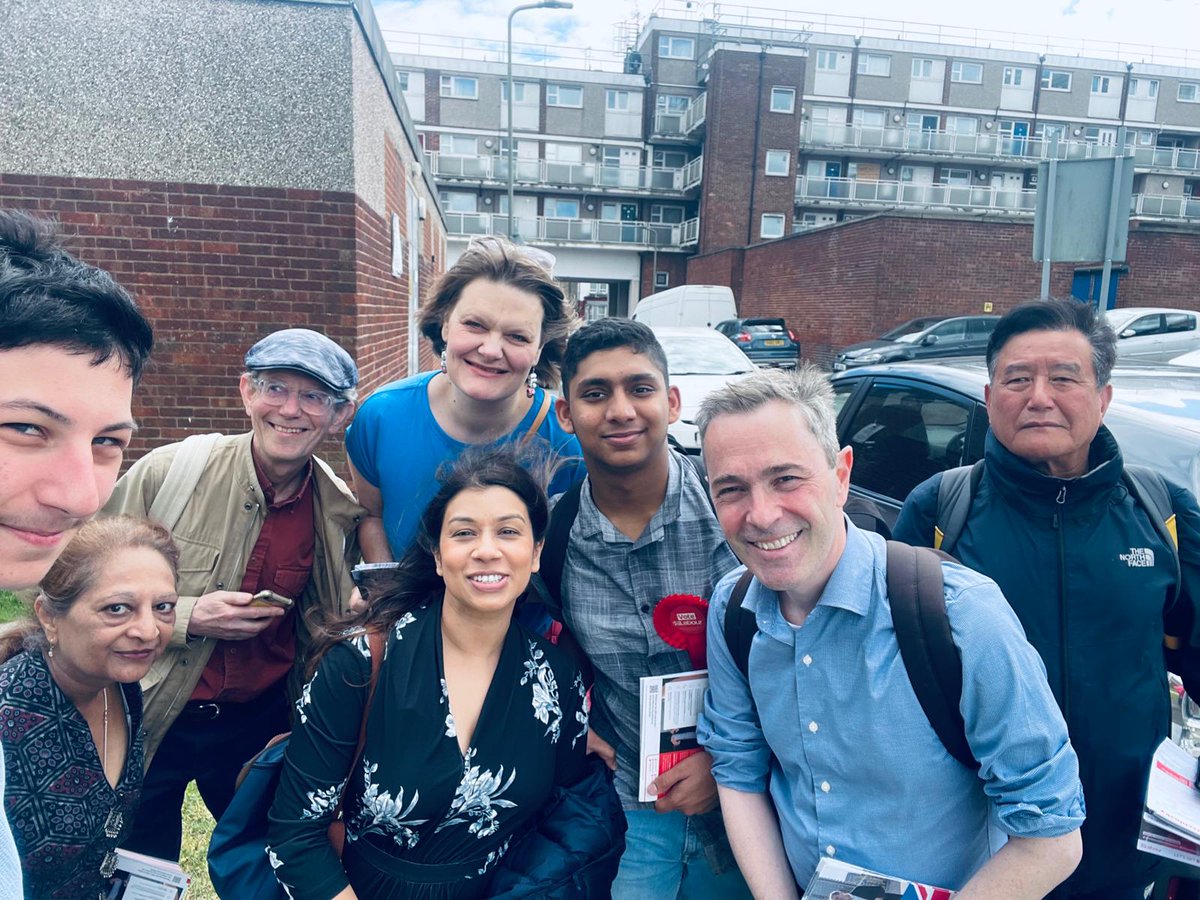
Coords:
pixel 512 156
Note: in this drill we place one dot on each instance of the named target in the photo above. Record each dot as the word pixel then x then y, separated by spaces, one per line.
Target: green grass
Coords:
pixel 197 823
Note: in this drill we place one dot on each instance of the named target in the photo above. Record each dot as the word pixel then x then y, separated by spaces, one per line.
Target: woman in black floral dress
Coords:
pixel 71 708
pixel 474 719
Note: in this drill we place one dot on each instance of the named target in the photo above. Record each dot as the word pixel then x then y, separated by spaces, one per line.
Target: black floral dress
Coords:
pixel 423 819
pixel 66 818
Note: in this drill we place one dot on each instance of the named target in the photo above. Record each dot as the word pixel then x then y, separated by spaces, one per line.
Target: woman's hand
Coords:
pixel 602 748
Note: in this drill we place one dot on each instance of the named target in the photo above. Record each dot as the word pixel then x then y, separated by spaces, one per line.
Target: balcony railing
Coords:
pixel 544 172
pixel 694 117
pixel 1164 206
pixel 691 232
pixel 846 191
pixel 1185 159
pixel 569 231
pixel 693 172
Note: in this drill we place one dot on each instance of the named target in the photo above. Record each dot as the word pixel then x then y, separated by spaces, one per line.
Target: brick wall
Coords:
pixel 217 267
pixel 674 264
pixel 846 283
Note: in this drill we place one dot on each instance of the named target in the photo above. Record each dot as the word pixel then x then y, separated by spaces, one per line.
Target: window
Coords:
pixel 1053 80
pixel 1177 322
pixel 1101 84
pixel 874 64
pixel 521 90
pixel 901 435
pixel 1013 76
pixel 564 95
pixel 1048 131
pixel 955 176
pixel 966 72
pixel 616 101
pixel 661 280
pixel 458 145
pixel 402 80
pixel 675 104
pixel 668 159
pixel 557 208
pixel 672 47
pixel 827 60
pixel 564 153
pixel 460 87
pixel 778 162
pixel 783 99
pixel 922 68
pixel 459 202
pixel 1189 92
pixel 962 124
pixel 869 118
pixel 1146 88
pixel 661 214
pixel 771 226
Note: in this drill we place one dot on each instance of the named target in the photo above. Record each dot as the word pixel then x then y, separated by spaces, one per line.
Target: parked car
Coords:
pixel 912 325
pixel 1191 360
pixel 1156 334
pixel 957 336
pixel 909 421
pixel 769 342
pixel 699 361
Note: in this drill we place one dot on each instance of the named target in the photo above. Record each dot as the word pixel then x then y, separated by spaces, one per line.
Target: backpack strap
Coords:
pixel 917 595
pixel 547 402
pixel 955 492
pixel 554 550
pixel 182 478
pixel 740 626
pixel 1153 494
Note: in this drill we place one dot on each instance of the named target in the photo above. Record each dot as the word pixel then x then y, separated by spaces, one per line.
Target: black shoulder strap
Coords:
pixel 955 492
pixel 1152 492
pixel 740 625
pixel 554 550
pixel 916 592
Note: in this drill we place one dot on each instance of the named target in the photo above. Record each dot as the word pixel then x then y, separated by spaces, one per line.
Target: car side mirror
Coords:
pixel 929 340
pixel 1127 333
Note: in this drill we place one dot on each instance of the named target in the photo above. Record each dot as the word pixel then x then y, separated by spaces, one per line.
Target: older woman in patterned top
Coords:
pixel 475 720
pixel 71 708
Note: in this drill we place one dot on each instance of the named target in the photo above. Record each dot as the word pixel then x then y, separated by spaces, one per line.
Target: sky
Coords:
pixel 589 28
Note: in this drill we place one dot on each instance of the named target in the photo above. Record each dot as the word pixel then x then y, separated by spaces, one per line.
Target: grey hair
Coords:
pixel 807 389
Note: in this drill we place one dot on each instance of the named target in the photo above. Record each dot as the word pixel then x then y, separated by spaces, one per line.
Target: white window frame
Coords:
pixel 671 46
pixel 952 123
pixel 774 218
pixel 451 139
pixel 658 159
pixel 959 72
pixel 785 94
pixel 402 79
pixel 1014 76
pixel 672 104
pixel 657 217
pixel 960 175
pixel 662 280
pixel 868 61
pixel 1101 85
pixel 451 86
pixel 1193 92
pixel 1048 77
pixel 616 100
pixel 1151 91
pixel 520 90
pixel 553 99
pixel 827 60
pixel 860 116
pixel 922 68
pixel 778 162
pixel 558 200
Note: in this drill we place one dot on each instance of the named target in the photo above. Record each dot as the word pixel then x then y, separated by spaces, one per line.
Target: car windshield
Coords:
pixel 911 338
pixel 703 355
pixel 912 326
pixel 765 327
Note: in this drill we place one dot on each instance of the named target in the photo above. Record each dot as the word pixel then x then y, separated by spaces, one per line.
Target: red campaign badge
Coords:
pixel 679 620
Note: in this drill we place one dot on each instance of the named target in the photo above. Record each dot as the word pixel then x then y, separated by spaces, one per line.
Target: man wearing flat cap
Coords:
pixel 251 513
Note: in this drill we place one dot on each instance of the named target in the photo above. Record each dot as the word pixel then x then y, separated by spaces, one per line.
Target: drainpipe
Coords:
pixel 762 60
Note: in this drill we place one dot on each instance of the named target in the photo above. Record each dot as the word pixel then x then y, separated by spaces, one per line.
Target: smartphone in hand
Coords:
pixel 270 598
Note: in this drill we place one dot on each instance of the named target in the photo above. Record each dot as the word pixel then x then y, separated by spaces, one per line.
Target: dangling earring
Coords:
pixel 531 384
pixel 50 652
pixel 443 362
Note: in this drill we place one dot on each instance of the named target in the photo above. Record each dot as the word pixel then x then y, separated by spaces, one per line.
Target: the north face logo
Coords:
pixel 1138 557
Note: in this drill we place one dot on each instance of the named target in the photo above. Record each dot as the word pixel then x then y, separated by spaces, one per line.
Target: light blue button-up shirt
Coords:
pixel 854 768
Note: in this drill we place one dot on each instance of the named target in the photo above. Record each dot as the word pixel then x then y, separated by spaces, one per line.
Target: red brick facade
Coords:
pixel 216 267
pixel 843 284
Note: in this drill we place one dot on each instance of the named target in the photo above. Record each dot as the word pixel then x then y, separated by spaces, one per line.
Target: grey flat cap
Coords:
pixel 306 351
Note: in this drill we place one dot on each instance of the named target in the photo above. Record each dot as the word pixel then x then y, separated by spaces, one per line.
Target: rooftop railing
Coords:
pixel 592 175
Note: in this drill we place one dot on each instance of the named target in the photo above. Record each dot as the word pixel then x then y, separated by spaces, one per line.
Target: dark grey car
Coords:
pixel 908 421
pixel 957 336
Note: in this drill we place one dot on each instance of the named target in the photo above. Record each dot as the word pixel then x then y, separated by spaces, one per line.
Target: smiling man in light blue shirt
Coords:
pixel 825 750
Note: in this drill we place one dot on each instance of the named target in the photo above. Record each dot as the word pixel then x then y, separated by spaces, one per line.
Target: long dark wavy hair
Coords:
pixel 415 582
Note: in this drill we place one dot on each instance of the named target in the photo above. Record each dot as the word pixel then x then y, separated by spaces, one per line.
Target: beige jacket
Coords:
pixel 215 535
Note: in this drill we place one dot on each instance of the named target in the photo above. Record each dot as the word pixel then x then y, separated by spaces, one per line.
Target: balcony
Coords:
pixel 584 176
pixel 691 232
pixel 1163 206
pixel 694 117
pixel 548 230
pixel 849 192
pixel 1179 159
pixel 693 173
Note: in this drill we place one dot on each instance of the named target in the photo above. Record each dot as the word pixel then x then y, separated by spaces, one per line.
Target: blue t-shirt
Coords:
pixel 397 445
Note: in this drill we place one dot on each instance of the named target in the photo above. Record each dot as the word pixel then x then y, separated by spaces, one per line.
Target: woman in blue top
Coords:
pixel 500 322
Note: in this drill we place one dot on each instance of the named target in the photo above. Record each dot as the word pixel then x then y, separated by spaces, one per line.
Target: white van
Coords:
pixel 694 305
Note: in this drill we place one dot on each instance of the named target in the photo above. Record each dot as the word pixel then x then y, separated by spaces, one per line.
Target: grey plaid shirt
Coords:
pixel 610 587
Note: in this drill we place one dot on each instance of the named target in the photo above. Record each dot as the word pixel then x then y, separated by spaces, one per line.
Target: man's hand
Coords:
pixel 687 786
pixel 602 748
pixel 228 616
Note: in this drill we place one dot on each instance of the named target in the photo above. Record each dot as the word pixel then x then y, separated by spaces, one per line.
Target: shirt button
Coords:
pixel 829 851
pixel 825 786
pixel 645 607
pixel 814 727
pixel 807 660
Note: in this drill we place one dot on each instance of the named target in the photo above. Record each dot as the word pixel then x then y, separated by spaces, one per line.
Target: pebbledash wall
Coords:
pixel 241 166
pixel 848 282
